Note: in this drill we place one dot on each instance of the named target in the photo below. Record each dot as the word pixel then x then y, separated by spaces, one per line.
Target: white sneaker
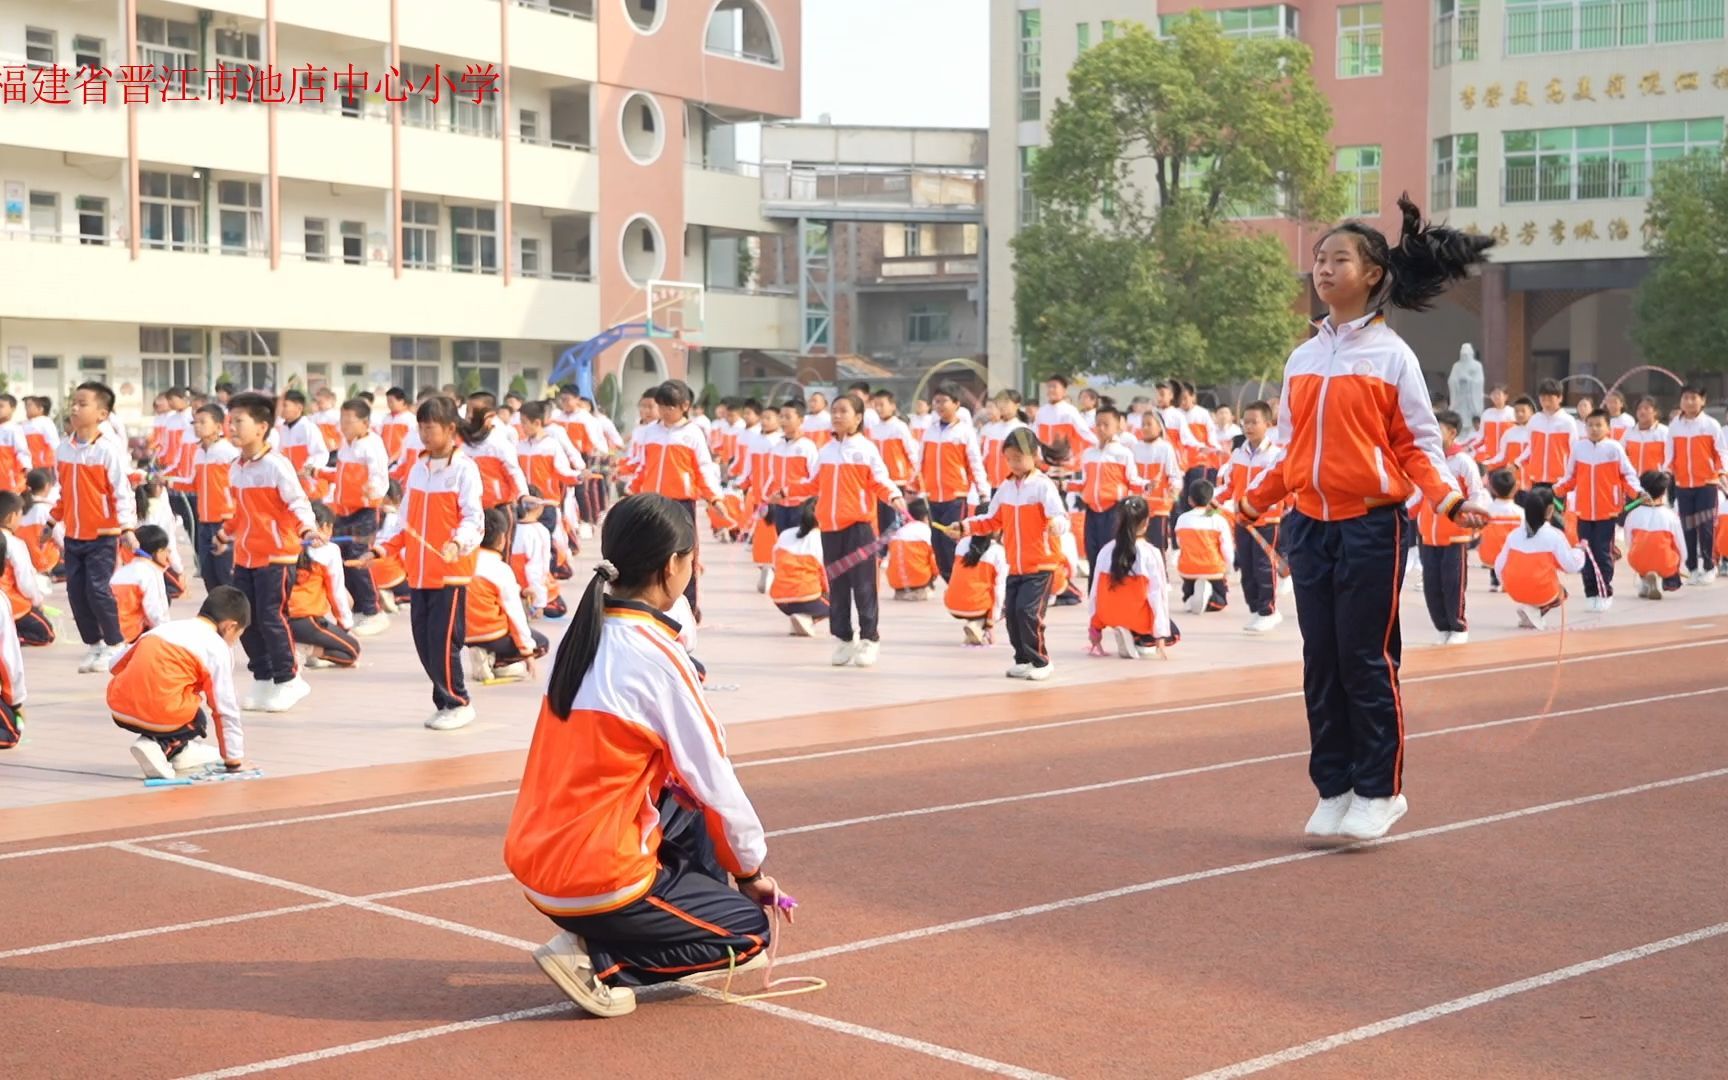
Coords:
pixel 518 670
pixel 1286 586
pixel 195 757
pixel 451 719
pixel 1369 819
pixel 371 625
pixel 304 654
pixel 105 659
pixel 318 663
pixel 1708 576
pixel 92 657
pixel 1531 618
pixel 1591 604
pixel 1262 624
pixel 764 578
pixel 1040 672
pixel 1328 815
pixel 387 602
pixel 867 653
pixel 585 531
pixel 803 626
pixel 1124 644
pixel 481 663
pixel 973 631
pixel 1458 637
pixel 1605 603
pixel 1650 586
pixel 262 691
pixel 565 961
pixel 1019 671
pixel 1443 638
pixel 287 695
pixel 1196 604
pixel 152 762
pixel 844 653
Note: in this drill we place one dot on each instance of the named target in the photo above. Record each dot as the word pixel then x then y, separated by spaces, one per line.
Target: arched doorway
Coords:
pixel 644 368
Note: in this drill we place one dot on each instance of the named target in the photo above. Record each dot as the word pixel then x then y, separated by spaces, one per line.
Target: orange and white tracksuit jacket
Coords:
pixel 1138 602
pixel 386 570
pixel 1696 456
pixel 361 475
pixel 911 559
pixel 949 465
pixel 161 681
pixel 141 596
pixel 321 589
pixel 799 574
pixel 584 834
pixel 271 511
pixel 1029 513
pixel 1490 433
pixel 329 425
pixel 1107 475
pixel 1513 446
pixel 1161 471
pixel 991 440
pixel 1194 438
pixel 1648 449
pixel 759 463
pixel 550 463
pixel 412 448
pixel 15 460
pixel 977 591
pixel 793 464
pixel 501 479
pixel 393 432
pixel 302 443
pixel 1356 426
pixel 206 472
pixel 1063 423
pixel 1504 516
pixel 531 562
pixel 440 504
pixel 494 604
pixel 12 686
pixel 1435 530
pixel 1242 471
pixel 1601 477
pixel 898 448
pixel 675 463
pixel 850 480
pixel 1206 548
pixel 585 433
pixel 1551 439
pixel 819 428
pixel 41 436
pixel 1655 543
pixel 36 528
pixel 95 495
pixel 19 581
pixel 1529 566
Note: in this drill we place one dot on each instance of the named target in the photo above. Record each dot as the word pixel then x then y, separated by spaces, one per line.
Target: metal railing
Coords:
pixel 1453 190
pixel 739 52
pixel 1457 37
pixel 959 189
pixel 1565 181
pixel 583 11
pixel 928 266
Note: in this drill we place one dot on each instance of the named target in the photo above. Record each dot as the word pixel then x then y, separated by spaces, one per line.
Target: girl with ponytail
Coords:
pixel 1130 595
pixel 631 831
pixel 1361 439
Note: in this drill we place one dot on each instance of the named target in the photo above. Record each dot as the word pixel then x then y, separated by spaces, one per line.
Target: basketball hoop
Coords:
pixel 677 311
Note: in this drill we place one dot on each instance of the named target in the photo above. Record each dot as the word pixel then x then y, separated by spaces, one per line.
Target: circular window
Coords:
pixel 646 15
pixel 642 249
pixel 642 127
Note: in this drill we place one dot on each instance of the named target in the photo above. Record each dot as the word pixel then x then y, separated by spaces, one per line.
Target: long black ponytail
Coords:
pixel 1426 259
pixel 976 546
pixel 1538 507
pixel 10 503
pixel 640 536
pixel 1132 514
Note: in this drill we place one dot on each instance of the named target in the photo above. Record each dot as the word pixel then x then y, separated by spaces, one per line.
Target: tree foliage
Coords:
pixel 1680 319
pixel 1138 266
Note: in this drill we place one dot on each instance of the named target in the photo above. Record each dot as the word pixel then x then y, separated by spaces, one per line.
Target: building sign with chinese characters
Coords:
pixel 1616 87
pixel 1560 233
pixel 145 84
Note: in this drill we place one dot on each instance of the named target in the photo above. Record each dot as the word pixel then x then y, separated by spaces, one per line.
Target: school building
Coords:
pixel 366 193
pixel 1539 121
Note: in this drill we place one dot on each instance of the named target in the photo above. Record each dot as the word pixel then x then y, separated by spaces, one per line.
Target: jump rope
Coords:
pixel 782 907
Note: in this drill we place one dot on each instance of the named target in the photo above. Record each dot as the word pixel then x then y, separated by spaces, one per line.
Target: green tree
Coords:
pixel 519 387
pixel 1138 266
pixel 1679 316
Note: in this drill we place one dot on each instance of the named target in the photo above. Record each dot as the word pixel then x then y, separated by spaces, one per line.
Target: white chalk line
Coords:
pixel 492 879
pixel 819 755
pixel 1461 1004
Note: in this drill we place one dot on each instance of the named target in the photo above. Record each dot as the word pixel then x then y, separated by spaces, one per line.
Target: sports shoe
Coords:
pixel 152 762
pixel 565 961
pixel 451 719
pixel 318 663
pixel 92 657
pixel 1531 618
pixel 387 602
pixel 1196 604
pixel 1040 672
pixel 262 691
pixel 1443 638
pixel 1458 637
pixel 1019 671
pixel 844 654
pixel 585 531
pixel 1369 819
pixel 973 631
pixel 371 625
pixel 481 664
pixel 1124 644
pixel 1604 603
pixel 195 757
pixel 304 654
pixel 764 578
pixel 1262 624
pixel 517 670
pixel 867 653
pixel 1650 586
pixel 1328 815
pixel 1708 576
pixel 105 659
pixel 287 695
pixel 803 626
pixel 1592 604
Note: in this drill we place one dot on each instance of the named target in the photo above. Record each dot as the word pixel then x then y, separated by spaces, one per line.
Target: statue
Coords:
pixel 1464 386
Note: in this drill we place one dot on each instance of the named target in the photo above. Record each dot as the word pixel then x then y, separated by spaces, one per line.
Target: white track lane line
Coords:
pixel 1461 1004
pixel 867 944
pixel 492 879
pixel 852 751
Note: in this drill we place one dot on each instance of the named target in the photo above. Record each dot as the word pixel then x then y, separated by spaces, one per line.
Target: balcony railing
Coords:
pixel 1452 190
pixel 1457 37
pixel 570 9
pixel 960 189
pixel 928 266
pixel 740 52
pixel 1566 181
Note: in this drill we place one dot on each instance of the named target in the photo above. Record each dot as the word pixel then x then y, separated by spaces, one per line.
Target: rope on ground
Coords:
pixel 791 985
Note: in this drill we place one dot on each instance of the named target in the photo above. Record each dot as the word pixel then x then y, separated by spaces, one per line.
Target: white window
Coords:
pixel 317 239
pixel 529 126
pixel 1360 168
pixel 528 261
pixel 45 375
pixel 1457 31
pixel 240 209
pixel 418 110
pixel 317 377
pixel 420 234
pixel 1028 201
pixel 93 369
pixel 87 52
pixel 1455 172
pixel 45 214
pixel 1032 63
pixel 927 325
pixel 170 46
pixel 172 209
pixel 40 47
pixel 353 243
pixel 478 364
pixel 173 356
pixel 913 239
pixel 414 363
pixel 474 239
pixel 1359 41
pixel 92 220
pixel 249 359
pixel 241 52
pixel 477 119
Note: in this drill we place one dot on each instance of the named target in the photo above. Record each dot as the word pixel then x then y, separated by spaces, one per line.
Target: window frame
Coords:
pixel 257 235
pixel 1359 174
pixel 490 370
pixel 929 324
pixel 322 233
pixel 425 231
pixel 32 46
pixel 252 358
pixel 1357 58
pixel 477 236
pixel 1030 65
pixel 172 205
pixel 95 239
pixel 413 359
pixel 180 351
pixel 44 198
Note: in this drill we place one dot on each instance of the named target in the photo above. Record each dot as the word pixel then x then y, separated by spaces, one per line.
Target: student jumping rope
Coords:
pixel 629 851
pixel 1360 437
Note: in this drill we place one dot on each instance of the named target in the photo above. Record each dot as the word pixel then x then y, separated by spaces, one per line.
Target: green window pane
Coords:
pixel 1668 131
pixel 1666 153
pixel 1631 134
pixel 1234 22
pixel 1555 139
pixel 1704 131
pixel 1519 141
pixel 1593 138
pixel 1466 146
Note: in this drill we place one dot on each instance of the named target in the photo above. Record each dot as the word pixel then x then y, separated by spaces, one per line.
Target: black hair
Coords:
pixel 1550 388
pixel 806 518
pixel 639 537
pixel 1012 395
pixel 1060 380
pixel 360 407
pixel 976 547
pixel 888 396
pixel 1108 410
pixel 794 404
pixel 258 406
pixel 10 503
pixel 1449 418
pixel 918 509
pixel 1538 507
pixel 1692 388
pixel 1654 483
pixel 946 390
pixel 296 396
pixel 1643 401
pixel 482 397
pixel 213 411
pixel 1524 400
pixel 575 391
pixel 151 539
pixel 104 393
pixel 1200 493
pixel 36 484
pixel 859 385
pixel 752 403
pixel 1132 514
pixel 533 410
pixel 1427 258
pixel 393 493
pixel 647 395
pixel 437 410
pixel 1025 441
pixel 1599 414
pixel 397 393
pixel 225 603
pixel 477 424
pixel 855 407
pixel 1264 408
pixel 497 529
pixel 1502 483
pixel 673 394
